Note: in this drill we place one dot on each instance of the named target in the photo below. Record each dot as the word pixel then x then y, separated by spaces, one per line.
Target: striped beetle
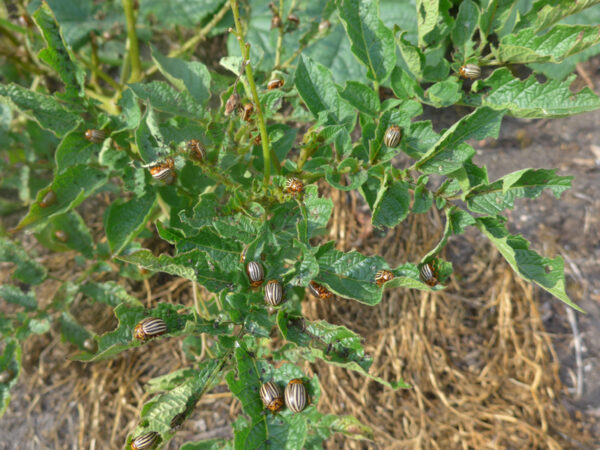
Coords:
pixel 61 236
pixel 273 293
pixel 470 71
pixel 383 276
pixel 196 149
pixel 247 111
pixel 95 136
pixel 295 395
pixel 392 136
pixel 232 104
pixel 271 396
pixel 164 172
pixel 48 199
pixel 319 291
pixel 90 345
pixel 255 273
pixel 428 275
pixel 274 84
pixel 6 376
pixel 324 25
pixel 145 441
pixel 243 254
pixel 149 328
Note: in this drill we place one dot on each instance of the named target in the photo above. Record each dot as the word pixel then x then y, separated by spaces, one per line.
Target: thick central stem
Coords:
pixel 245 49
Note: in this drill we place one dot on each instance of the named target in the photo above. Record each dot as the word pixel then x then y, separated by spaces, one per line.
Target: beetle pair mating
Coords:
pixel 295 396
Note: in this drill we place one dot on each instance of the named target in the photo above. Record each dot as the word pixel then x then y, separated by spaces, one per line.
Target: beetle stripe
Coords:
pixel 96 136
pixel 392 136
pixel 273 293
pixel 144 441
pixel 255 272
pixel 295 395
pixel 154 327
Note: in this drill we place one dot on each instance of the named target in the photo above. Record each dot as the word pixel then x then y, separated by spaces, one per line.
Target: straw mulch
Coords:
pixel 482 368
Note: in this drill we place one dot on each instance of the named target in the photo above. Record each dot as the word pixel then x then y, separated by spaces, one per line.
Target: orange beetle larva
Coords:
pixel 319 291
pixel 382 276
pixel 294 186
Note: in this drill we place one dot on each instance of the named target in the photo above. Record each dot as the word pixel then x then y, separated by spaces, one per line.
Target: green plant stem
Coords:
pixel 99 72
pixel 305 153
pixel 279 37
pixel 245 49
pixel 94 60
pixel 108 104
pixel 134 50
pixel 194 41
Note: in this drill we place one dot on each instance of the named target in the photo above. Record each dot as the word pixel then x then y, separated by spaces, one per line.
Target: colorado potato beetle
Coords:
pixel 275 21
pixel 295 395
pixel 177 420
pixel 271 396
pixel 61 236
pixel 274 84
pixel 324 25
pixel 243 254
pixel 470 71
pixel 319 291
pixel 25 21
pixel 428 275
pixel 247 111
pixel 294 186
pixel 196 149
pixel 48 199
pixel 8 374
pixel 293 21
pixel 90 345
pixel 95 136
pixel 255 273
pixel 145 441
pixel 383 276
pixel 392 136
pixel 164 172
pixel 232 104
pixel 273 293
pixel 149 328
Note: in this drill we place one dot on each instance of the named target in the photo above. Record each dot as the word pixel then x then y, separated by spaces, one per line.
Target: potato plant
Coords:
pixel 229 162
